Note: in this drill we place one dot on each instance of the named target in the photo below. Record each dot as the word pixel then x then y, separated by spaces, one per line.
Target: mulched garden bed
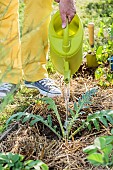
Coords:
pixel 38 142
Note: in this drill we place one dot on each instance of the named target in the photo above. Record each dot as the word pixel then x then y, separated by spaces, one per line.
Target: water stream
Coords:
pixel 67 96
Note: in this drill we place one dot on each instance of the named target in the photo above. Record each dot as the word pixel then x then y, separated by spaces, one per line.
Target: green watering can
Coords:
pixel 66 45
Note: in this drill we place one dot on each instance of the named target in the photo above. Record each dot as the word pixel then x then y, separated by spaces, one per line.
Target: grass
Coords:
pixel 23 98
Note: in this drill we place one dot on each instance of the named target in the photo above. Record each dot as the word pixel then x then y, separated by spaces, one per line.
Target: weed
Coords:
pixel 16 162
pixel 101 153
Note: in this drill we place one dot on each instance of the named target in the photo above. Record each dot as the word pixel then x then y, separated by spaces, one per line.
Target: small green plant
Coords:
pixel 83 102
pixel 37 118
pixel 16 162
pixel 101 152
pixel 103 116
pixel 75 114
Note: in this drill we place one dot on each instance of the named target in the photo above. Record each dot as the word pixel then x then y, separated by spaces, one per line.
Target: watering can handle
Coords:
pixel 66 42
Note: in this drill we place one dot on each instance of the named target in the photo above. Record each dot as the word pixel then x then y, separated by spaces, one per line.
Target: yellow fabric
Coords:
pixel 29 55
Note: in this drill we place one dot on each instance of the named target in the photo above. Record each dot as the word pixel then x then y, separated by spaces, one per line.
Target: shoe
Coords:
pixel 6 88
pixel 46 87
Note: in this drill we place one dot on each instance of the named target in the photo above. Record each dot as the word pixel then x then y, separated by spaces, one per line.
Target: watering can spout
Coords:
pixel 67 72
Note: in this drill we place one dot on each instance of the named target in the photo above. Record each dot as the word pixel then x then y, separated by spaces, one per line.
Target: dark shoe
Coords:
pixel 6 88
pixel 46 87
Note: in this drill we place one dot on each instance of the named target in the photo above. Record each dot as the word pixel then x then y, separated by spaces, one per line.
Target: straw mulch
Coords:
pixel 38 142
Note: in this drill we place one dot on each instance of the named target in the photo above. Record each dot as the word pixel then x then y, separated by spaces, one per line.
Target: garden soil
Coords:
pixel 39 142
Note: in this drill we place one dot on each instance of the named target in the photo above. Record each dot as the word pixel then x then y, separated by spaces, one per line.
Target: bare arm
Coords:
pixel 67 10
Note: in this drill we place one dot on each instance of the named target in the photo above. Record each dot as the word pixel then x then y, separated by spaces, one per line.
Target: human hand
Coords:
pixel 67 11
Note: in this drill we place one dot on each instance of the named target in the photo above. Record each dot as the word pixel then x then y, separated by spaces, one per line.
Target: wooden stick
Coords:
pixel 91 34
